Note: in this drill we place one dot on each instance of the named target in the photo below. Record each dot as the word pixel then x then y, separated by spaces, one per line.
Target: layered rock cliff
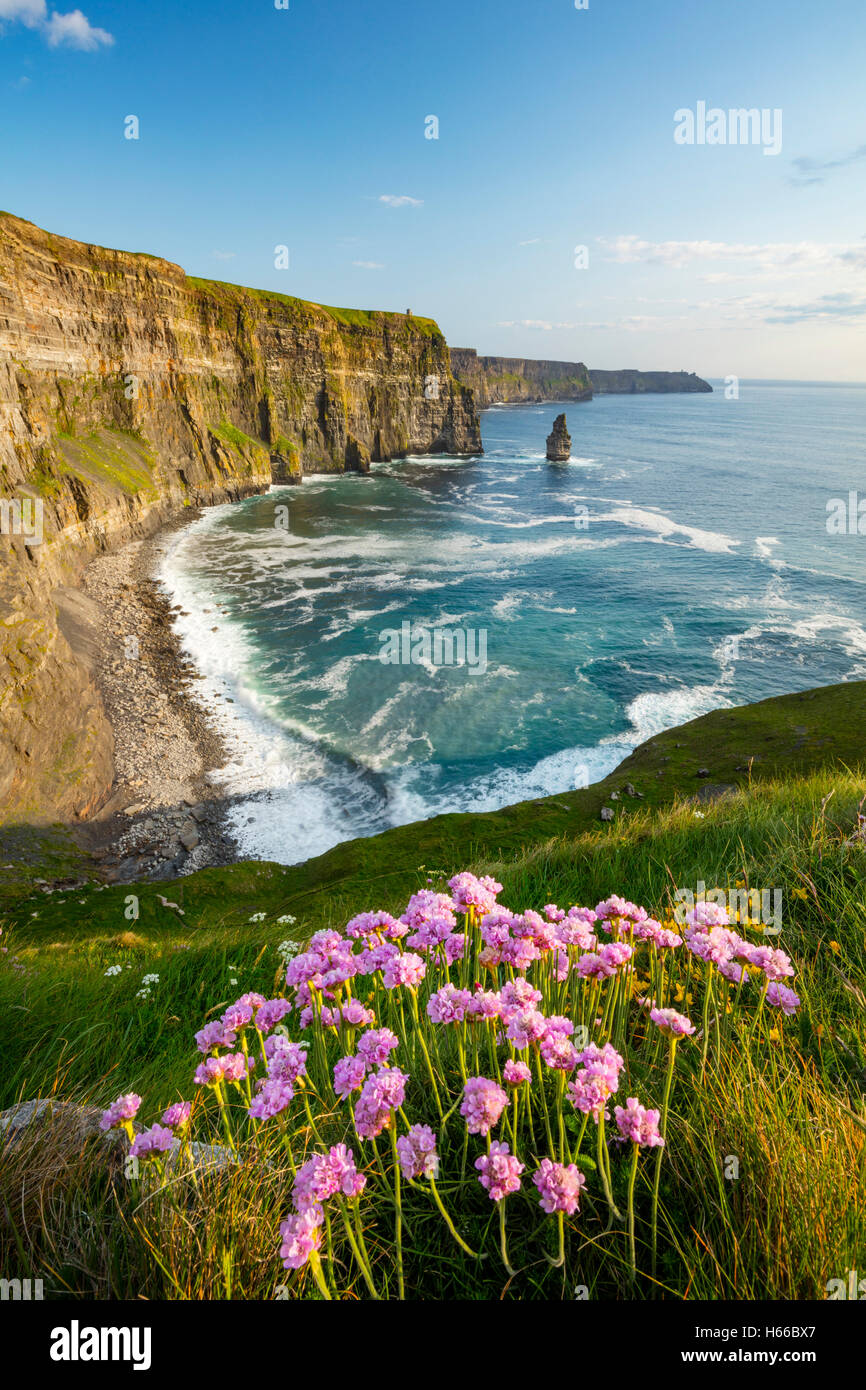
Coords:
pixel 510 380
pixel 129 390
pixel 632 382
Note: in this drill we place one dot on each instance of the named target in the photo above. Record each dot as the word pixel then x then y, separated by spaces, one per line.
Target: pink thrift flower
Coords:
pixel 485 1004
pixel 120 1111
pixel 349 1075
pixel 356 1015
pixel 300 1235
pixel 559 1187
pixel 270 1013
pixel 236 1017
pixel 708 914
pixel 674 1024
pixel 375 924
pixel 376 1046
pixel 593 966
pixel 483 1104
pixel 350 1183
pixel 449 1004
pixel 616 953
pixel 527 1027
pixel 287 1060
pixel 177 1115
pixel 273 1096
pixel 382 1093
pixel 406 969
pixel 516 1073
pixel 776 965
pixel 152 1141
pixel 417 1151
pixel 782 998
pixel 499 1171
pixel 424 906
pixel 468 891
pixel 454 947
pixel 638 1124
pixel 213 1035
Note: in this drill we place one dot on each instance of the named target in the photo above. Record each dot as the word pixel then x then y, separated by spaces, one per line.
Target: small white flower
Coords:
pixel 114 970
pixel 150 980
pixel 286 920
pixel 233 980
pixel 257 917
pixel 699 815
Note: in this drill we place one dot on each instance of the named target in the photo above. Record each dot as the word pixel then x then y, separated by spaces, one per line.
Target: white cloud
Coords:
pixel 542 325
pixel 72 30
pixel 29 12
pixel 75 31
pixel 401 200
pixel 369 265
pixel 223 255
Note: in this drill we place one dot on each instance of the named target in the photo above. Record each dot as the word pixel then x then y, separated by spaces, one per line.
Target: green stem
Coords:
pixel 450 1224
pixel 398 1226
pixel 660 1150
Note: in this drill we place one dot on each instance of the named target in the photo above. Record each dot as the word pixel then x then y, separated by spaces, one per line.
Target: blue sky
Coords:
pixel 305 127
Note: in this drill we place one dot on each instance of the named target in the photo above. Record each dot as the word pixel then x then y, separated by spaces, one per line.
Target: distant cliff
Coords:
pixel 506 380
pixel 129 390
pixel 631 382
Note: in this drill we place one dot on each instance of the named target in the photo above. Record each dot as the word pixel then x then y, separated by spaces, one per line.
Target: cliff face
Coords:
pixel 630 382
pixel 129 390
pixel 504 380
pixel 507 380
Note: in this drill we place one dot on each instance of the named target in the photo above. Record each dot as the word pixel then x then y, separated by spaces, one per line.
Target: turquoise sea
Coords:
pixel 680 562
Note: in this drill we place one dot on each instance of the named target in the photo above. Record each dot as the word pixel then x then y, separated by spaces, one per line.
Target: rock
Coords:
pixel 189 836
pixel 614 796
pixel 559 442
pixel 606 813
pixel 629 789
pixel 702 772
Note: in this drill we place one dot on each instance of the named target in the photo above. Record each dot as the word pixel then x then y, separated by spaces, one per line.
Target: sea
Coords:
pixel 690 556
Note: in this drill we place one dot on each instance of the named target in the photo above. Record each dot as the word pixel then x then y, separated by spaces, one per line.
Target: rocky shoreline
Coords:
pixel 165 816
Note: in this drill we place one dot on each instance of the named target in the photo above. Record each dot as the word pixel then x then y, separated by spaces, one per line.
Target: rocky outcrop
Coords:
pixel 632 382
pixel 511 380
pixel 559 441
pixel 129 390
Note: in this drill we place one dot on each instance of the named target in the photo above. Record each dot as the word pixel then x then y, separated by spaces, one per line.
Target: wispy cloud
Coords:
pixel 72 30
pixel 834 308
pixel 816 170
pixel 540 325
pixel 400 200
pixel 768 258
pixel 533 241
pixel 224 255
pixel 369 265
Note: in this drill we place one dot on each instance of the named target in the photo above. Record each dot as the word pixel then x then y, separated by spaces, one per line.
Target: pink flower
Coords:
pixel 782 998
pixel 300 1235
pixel 616 953
pixel 708 914
pixel 406 969
pixel 213 1035
pixel 454 947
pixel 152 1141
pixel 270 1013
pixel 468 891
pixel 177 1115
pixel 516 996
pixel 559 1187
pixel 638 1124
pixel 356 1015
pixel 449 1004
pixel 426 905
pixel 274 1095
pixel 350 1183
pixel 594 967
pixel 382 1093
pixel 349 1075
pixel 499 1171
pixel 485 1004
pixel 375 924
pixel 376 1046
pixel 236 1017
pixel 589 1094
pixel 315 1181
pixel 516 1073
pixel 417 1151
pixel 674 1024
pixel 120 1111
pixel 558 1052
pixel 775 964
pixel 526 1027
pixel 285 1059
pixel 483 1104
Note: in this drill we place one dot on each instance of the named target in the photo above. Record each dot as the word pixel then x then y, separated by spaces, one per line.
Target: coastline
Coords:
pixel 165 817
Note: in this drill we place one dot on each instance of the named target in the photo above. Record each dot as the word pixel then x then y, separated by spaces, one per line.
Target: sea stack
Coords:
pixel 559 442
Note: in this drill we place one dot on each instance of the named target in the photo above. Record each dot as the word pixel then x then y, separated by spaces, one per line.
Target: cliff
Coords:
pixel 129 390
pixel 508 380
pixel 631 382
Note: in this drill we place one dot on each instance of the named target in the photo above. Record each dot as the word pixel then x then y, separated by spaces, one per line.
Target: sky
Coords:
pixel 566 210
